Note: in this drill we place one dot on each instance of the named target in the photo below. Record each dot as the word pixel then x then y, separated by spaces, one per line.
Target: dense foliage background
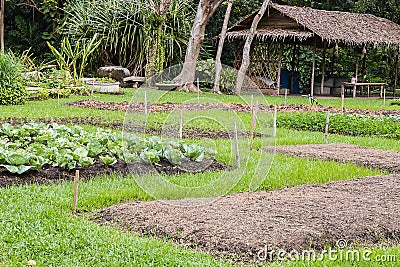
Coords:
pixel 128 30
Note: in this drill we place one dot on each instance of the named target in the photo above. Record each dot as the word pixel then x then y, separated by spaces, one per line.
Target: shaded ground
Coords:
pixel 364 156
pixel 49 174
pixel 364 211
pixel 168 107
pixel 191 133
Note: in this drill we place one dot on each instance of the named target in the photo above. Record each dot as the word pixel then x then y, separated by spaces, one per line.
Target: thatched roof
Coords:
pixel 304 25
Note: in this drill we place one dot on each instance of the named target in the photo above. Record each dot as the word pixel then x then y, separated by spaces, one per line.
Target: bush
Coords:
pixel 12 82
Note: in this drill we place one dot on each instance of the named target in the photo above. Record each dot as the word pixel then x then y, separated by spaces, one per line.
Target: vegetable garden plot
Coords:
pixel 192 132
pixel 37 152
pixel 363 156
pixel 361 211
pixel 168 107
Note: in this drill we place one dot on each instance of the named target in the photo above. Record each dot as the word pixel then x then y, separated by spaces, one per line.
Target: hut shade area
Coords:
pixel 304 25
pixel 288 25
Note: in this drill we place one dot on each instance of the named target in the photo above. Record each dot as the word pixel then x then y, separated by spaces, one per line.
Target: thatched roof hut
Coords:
pixel 304 25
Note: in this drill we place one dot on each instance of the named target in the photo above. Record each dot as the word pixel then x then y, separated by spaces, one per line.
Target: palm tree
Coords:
pixel 143 35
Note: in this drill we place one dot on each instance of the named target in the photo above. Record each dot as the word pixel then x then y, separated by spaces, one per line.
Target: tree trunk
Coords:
pixel 218 65
pixel 154 58
pixel 205 10
pixel 2 25
pixel 247 47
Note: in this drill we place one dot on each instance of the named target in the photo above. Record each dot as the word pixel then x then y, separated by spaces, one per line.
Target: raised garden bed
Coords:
pixel 168 107
pixel 39 152
pixel 244 227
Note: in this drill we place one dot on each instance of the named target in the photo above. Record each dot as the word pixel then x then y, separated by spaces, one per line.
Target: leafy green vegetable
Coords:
pixel 149 156
pixel 33 145
pixel 108 160
pixel 17 169
pixel 174 156
pixel 15 158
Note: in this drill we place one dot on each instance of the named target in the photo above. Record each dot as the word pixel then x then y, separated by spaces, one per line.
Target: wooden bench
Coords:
pixel 354 85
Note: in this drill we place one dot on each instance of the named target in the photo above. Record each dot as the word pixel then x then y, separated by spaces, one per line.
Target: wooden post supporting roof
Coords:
pixel 323 68
pixel 396 70
pixel 313 70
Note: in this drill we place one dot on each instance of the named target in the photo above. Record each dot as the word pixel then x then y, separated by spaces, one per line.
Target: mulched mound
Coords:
pixel 363 211
pixel 363 156
pixel 49 174
pixel 169 107
pixel 190 133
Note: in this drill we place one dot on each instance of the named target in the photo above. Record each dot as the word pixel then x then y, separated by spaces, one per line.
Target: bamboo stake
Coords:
pixel 384 96
pixel 91 91
pixel 181 125
pixel 396 71
pixel 251 103
pixel 253 124
pixel 58 94
pixel 286 95
pixel 75 192
pixel 326 127
pixel 145 102
pixel 236 145
pixel 274 123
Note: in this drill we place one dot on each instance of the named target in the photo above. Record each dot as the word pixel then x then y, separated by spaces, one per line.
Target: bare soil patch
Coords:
pixel 169 107
pixel 363 211
pixel 363 156
pixel 49 174
pixel 190 133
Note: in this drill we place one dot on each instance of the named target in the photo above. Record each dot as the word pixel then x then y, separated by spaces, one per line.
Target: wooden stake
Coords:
pixel 274 123
pixel 384 96
pixel 75 191
pixel 326 127
pixel 236 145
pixel 342 93
pixel 91 91
pixel 145 102
pixel 286 95
pixel 251 103
pixel 253 124
pixel 181 125
pixel 198 98
pixel 396 70
pixel 58 94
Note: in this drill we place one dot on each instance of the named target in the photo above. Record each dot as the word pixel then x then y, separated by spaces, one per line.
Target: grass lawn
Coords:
pixel 36 221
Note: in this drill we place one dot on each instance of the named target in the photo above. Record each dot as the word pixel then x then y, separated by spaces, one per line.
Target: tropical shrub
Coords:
pixel 134 33
pixel 12 82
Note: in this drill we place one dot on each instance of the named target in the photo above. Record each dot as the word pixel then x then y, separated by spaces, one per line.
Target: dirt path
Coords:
pixel 365 211
pixel 364 156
